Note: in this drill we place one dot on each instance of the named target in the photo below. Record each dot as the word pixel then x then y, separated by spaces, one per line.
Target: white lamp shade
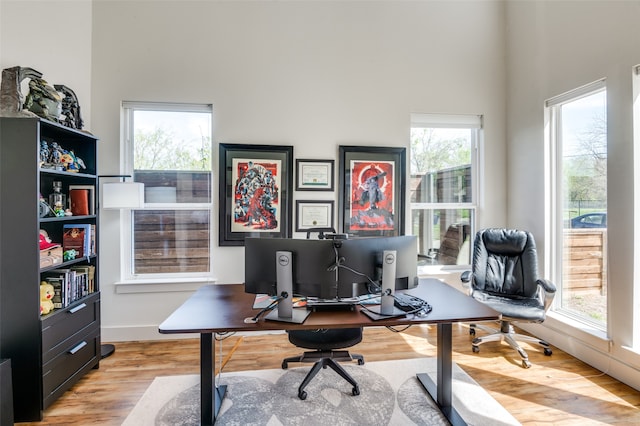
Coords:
pixel 123 195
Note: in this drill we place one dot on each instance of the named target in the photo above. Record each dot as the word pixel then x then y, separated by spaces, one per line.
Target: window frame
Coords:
pixel 554 148
pixel 454 121
pixel 128 108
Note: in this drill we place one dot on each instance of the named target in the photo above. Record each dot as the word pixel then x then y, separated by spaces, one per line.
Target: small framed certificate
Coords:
pixel 314 175
pixel 314 214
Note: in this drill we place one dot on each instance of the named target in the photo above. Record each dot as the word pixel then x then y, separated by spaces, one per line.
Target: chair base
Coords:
pixel 507 334
pixel 324 359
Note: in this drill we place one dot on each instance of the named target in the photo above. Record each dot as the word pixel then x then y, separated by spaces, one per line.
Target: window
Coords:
pixel 168 148
pixel 578 137
pixel 443 168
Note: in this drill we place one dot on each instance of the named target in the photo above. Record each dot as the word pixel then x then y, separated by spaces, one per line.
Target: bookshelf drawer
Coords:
pixel 67 367
pixel 67 324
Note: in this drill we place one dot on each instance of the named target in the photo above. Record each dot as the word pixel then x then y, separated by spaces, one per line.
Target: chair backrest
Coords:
pixel 505 263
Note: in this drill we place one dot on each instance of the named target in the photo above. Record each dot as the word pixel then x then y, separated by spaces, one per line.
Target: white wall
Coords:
pixel 53 37
pixel 554 47
pixel 314 75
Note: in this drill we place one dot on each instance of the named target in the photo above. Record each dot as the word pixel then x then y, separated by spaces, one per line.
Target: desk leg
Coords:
pixel 441 393
pixel 210 396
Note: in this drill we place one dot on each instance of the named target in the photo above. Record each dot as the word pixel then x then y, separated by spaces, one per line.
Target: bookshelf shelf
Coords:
pixel 68 263
pixel 43 366
pixel 67 219
pixel 62 173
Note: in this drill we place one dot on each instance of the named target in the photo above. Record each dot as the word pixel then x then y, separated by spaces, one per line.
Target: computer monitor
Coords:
pixel 312 275
pixel 360 258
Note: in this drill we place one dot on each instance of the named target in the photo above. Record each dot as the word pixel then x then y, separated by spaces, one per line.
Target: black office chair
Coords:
pixel 504 276
pixel 324 344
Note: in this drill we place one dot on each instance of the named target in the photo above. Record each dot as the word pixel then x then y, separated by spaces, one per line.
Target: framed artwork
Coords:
pixel 314 175
pixel 256 183
pixel 372 191
pixel 314 214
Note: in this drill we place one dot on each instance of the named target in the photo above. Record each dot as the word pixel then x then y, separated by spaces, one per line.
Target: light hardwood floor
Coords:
pixel 558 390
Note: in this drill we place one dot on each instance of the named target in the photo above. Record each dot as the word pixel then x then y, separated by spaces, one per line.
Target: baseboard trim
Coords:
pixel 604 361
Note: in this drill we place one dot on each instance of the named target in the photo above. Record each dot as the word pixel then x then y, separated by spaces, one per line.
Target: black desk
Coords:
pixel 221 308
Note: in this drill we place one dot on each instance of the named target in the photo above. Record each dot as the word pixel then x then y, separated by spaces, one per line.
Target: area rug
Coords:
pixel 390 394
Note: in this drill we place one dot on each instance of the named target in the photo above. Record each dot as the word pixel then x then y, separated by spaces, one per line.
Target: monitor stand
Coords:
pixel 386 308
pixel 284 283
pixel 297 315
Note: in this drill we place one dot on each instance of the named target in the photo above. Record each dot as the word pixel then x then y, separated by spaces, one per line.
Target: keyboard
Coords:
pixel 408 303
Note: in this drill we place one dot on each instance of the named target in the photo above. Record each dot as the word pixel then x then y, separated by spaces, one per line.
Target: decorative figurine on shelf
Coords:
pixel 69 255
pixel 70 162
pixel 44 153
pixel 77 161
pixel 43 100
pixel 70 108
pixel 53 156
pixel 67 163
pixel 57 200
pixel 43 207
pixel 55 152
pixel 46 298
pixel 11 97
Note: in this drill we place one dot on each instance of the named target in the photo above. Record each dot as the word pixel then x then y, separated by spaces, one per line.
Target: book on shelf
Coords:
pixel 56 282
pixel 79 202
pixel 60 279
pixel 92 242
pixel 78 237
pixel 70 284
pixel 82 200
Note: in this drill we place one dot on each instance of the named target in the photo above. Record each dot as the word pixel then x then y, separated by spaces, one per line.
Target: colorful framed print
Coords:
pixel 314 214
pixel 372 191
pixel 314 175
pixel 256 183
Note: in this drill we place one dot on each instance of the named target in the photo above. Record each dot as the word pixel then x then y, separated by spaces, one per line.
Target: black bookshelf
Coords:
pixel 48 353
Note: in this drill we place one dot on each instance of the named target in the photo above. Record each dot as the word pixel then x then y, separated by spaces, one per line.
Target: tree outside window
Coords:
pixel 171 154
pixel 442 168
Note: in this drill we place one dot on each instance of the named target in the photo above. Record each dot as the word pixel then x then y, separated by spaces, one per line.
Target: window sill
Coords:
pixel 631 356
pixel 161 285
pixel 589 335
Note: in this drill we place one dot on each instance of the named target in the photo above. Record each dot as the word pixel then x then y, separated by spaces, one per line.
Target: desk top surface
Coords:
pixel 223 307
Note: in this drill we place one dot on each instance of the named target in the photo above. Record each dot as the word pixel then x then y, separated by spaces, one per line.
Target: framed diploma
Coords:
pixel 314 214
pixel 314 175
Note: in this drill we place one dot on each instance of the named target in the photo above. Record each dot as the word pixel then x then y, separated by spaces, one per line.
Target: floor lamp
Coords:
pixel 120 196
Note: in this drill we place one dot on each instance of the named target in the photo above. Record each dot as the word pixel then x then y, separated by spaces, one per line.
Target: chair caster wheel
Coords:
pixel 361 362
pixel 475 349
pixel 548 351
pixel 302 395
pixel 472 331
pixel 526 363
pixel 355 391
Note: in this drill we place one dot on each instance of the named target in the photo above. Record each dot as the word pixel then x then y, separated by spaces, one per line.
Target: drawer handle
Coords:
pixel 78 347
pixel 77 308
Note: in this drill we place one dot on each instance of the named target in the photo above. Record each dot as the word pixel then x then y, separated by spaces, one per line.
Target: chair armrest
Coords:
pixel 547 285
pixel 465 277
pixel 548 291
